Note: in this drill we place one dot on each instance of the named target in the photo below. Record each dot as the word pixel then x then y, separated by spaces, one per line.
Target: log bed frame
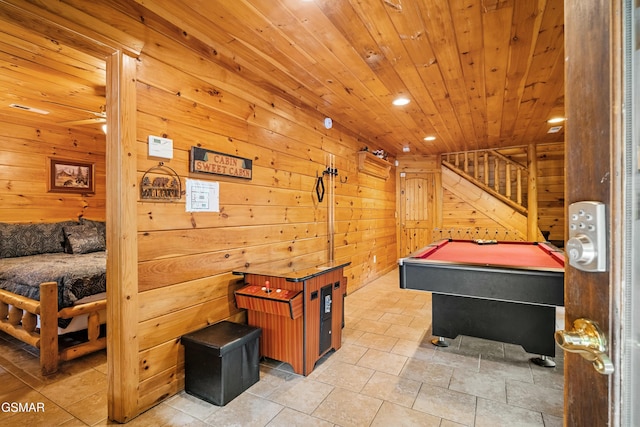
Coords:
pixel 18 318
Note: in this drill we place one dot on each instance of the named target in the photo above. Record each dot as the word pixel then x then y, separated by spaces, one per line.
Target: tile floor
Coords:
pixel 387 373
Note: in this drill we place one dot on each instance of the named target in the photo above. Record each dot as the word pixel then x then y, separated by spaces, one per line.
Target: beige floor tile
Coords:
pixel 164 415
pixel 364 311
pixel 383 361
pixel 406 332
pixel 469 362
pixel 548 377
pixel 391 388
pixel 349 353
pixel 422 321
pixel 427 372
pixel 245 410
pixel 400 416
pixel 448 404
pixel 508 369
pixel 345 375
pixel 348 409
pixel 371 326
pixel 73 388
pixel 192 405
pixel 377 341
pixel 8 384
pixel 486 348
pixel 495 414
pixel 290 418
pixel 390 306
pixel 479 384
pixel 302 394
pixel 449 423
pixel 323 364
pixel 396 319
pixel 91 409
pixel 513 352
pixel 535 397
pixel 350 335
pixel 39 411
pixel 551 421
pixel 414 349
pixel 271 378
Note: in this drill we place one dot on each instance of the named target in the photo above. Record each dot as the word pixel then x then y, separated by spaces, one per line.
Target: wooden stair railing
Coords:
pixel 493 172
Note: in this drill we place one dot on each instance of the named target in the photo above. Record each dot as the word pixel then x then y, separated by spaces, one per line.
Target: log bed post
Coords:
pixel 48 328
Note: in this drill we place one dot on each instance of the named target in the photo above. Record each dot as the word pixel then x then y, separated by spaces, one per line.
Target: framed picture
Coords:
pixel 67 176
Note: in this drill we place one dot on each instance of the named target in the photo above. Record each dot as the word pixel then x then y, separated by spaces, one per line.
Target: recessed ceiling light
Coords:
pixel 554 129
pixel 401 101
pixel 430 138
pixel 406 149
pixel 556 120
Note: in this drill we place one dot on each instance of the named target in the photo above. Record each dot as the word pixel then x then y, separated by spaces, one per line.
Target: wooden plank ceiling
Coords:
pixel 478 73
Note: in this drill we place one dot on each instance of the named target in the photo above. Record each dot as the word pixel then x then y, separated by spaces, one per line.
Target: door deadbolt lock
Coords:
pixel 587 244
pixel 588 341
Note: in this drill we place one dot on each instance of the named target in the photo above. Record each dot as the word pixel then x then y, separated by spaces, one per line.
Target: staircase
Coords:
pixel 494 173
pixel 496 186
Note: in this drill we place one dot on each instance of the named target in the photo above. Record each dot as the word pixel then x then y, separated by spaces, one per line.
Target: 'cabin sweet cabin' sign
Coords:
pixel 212 162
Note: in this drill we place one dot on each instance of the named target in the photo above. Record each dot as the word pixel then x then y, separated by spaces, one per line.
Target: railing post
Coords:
pixel 519 186
pixel 496 174
pixel 486 168
pixel 475 165
pixel 532 202
pixel 507 180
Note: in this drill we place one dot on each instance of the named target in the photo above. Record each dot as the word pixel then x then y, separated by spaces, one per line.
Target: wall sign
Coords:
pixel 212 162
pixel 202 196
pixel 161 183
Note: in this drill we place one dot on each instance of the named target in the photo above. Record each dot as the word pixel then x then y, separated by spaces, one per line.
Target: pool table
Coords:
pixel 501 291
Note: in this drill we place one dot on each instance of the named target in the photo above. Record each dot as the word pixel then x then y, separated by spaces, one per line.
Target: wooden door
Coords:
pixel 593 172
pixel 417 195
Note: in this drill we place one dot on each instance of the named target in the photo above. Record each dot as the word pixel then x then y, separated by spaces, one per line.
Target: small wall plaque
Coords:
pixel 160 147
pixel 161 183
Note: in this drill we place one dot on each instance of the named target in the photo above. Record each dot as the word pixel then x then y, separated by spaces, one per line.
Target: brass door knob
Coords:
pixel 587 340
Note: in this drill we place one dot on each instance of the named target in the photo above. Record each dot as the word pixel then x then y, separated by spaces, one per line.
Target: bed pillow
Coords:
pixel 100 225
pixel 24 239
pixel 82 239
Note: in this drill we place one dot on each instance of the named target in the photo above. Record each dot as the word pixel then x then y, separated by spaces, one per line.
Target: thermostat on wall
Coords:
pixel 160 147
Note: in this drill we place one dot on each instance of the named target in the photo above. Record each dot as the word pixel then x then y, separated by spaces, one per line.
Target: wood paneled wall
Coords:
pixel 24 157
pixel 186 259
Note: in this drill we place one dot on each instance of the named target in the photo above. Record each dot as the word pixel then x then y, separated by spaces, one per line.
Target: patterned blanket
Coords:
pixel 78 275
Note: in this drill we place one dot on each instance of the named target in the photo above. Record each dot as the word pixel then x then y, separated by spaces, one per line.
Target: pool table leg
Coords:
pixel 440 342
pixel 543 361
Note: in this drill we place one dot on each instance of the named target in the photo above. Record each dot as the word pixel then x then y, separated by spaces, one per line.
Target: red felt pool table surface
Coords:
pixel 510 254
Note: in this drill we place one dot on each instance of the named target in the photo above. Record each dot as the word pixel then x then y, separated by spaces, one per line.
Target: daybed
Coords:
pixel 53 283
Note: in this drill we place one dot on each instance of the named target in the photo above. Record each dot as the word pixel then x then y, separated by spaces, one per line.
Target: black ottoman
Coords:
pixel 221 361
